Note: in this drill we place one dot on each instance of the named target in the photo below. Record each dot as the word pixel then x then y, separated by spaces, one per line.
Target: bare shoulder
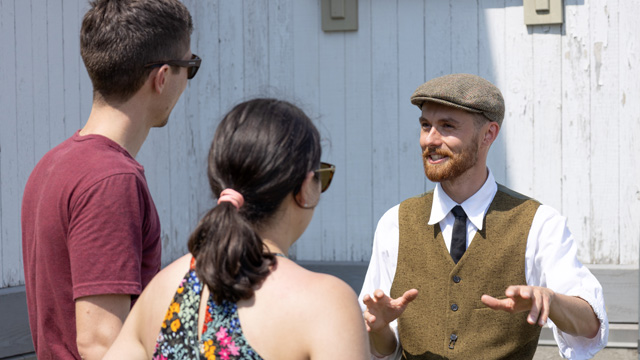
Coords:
pixel 302 311
pixel 312 285
pixel 324 309
pixel 330 298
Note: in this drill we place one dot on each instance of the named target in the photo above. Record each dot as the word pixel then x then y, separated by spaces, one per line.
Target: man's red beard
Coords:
pixel 455 166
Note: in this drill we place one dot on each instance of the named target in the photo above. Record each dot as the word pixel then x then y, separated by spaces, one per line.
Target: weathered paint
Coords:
pixel 568 139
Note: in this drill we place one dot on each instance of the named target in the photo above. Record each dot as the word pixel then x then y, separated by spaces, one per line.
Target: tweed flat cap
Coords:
pixel 463 91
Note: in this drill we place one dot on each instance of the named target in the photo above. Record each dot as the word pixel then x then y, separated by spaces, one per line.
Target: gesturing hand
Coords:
pixel 535 299
pixel 381 309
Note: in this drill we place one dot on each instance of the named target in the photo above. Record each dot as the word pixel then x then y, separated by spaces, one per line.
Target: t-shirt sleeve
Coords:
pixel 105 238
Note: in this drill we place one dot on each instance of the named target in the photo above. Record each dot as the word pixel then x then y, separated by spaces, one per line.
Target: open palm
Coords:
pixel 381 309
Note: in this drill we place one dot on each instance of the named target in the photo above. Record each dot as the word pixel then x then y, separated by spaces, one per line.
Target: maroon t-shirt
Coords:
pixel 89 227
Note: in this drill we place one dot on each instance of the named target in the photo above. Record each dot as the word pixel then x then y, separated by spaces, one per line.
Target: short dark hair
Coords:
pixel 118 37
pixel 263 149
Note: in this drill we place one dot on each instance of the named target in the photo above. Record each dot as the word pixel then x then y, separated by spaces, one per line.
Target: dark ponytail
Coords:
pixel 263 149
pixel 230 256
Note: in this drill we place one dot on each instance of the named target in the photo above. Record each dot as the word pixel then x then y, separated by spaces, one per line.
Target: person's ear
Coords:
pixel 490 133
pixel 309 193
pixel 159 78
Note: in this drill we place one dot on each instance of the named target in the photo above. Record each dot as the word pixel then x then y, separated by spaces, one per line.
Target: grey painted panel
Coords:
pixel 620 336
pixel 30 356
pixel 15 337
pixel 620 286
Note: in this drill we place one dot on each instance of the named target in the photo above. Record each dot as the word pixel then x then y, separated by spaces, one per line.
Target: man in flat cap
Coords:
pixel 472 270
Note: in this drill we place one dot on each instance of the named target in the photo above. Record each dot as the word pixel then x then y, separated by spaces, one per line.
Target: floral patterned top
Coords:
pixel 222 336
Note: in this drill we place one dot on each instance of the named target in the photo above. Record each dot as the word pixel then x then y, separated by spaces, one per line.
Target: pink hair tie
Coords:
pixel 232 196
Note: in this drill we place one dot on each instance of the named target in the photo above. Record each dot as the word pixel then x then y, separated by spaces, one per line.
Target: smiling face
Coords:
pixel 450 142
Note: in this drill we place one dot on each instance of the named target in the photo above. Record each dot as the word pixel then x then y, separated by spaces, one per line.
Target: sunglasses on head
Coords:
pixel 192 65
pixel 325 173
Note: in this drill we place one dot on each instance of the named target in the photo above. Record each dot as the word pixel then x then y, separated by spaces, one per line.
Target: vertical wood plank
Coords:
pixel 86 88
pixel 568 94
pixel 357 171
pixel 576 128
pixel 281 48
pixel 207 93
pixel 231 51
pixel 40 99
pixel 384 102
pixel 9 187
pixel 181 150
pixel 25 140
pixel 71 66
pixel 256 47
pixel 491 64
pixel 605 229
pixel 438 41
pixel 180 138
pixel 464 36
pixel 306 33
pixel 155 157
pixel 411 57
pixel 332 120
pixel 517 127
pixel 54 65
pixel 547 109
pixel 629 129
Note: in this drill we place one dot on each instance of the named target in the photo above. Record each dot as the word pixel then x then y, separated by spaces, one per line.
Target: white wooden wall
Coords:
pixel 572 94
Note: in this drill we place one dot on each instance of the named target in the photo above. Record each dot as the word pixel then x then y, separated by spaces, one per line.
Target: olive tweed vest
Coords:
pixel 448 320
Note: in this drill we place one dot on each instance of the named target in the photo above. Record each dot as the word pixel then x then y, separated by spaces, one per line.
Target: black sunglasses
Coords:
pixel 325 173
pixel 192 65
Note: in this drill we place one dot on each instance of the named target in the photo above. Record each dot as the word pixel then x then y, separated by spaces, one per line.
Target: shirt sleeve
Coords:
pixel 551 261
pixel 382 267
pixel 105 238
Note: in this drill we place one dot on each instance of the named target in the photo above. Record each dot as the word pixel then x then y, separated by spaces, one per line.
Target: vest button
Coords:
pixel 454 307
pixel 456 279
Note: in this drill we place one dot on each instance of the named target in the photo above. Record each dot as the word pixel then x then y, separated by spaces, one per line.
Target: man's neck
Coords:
pixel 465 185
pixel 125 124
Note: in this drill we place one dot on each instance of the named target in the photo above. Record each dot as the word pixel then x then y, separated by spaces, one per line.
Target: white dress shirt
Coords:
pixel 550 261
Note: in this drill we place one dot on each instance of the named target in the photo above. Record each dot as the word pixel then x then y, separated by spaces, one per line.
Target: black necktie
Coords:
pixel 459 235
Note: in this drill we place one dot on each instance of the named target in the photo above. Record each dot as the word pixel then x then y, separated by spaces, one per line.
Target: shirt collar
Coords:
pixel 476 206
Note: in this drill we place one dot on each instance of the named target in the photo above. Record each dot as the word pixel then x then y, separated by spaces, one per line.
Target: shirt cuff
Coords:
pixel 106 288
pixel 393 356
pixel 579 347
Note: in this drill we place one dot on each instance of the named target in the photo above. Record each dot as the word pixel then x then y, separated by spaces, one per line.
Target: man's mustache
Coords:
pixel 436 151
